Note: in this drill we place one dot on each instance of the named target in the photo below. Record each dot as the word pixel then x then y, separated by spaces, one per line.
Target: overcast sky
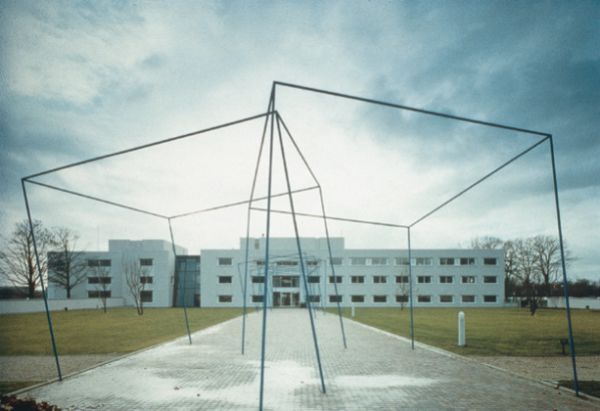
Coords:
pixel 88 78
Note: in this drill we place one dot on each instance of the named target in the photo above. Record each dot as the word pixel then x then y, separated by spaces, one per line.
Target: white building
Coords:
pixel 106 272
pixel 365 277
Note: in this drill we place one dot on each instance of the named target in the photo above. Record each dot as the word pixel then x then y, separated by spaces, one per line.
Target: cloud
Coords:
pixel 79 80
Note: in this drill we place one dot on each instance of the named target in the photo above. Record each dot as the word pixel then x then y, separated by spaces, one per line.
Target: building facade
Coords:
pixel 106 272
pixel 363 277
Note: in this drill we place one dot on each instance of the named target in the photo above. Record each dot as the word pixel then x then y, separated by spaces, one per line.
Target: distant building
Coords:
pixel 364 277
pixel 105 274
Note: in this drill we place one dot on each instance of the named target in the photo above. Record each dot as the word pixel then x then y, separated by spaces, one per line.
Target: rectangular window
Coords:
pixel 286 281
pixel 424 261
pixel 358 261
pixel 489 279
pixel 424 298
pixel 379 279
pixel 146 296
pixel 258 279
pixel 357 279
pixel 287 263
pixel 379 261
pixel 335 298
pixel 467 279
pixel 489 298
pixel 447 261
pixel 402 279
pixel 401 260
pixel 98 263
pixel 467 261
pixel 260 263
pixel 490 261
pixel 145 262
pixel 336 261
pixel 402 298
pixel 99 294
pixel 468 299
pixel 315 298
pixel 358 298
pixel 337 279
pixel 314 279
pixel 446 279
pixel 446 298
pixel 224 279
pixel 225 298
pixel 93 280
pixel 380 298
pixel 424 279
pixel 144 279
pixel 256 298
pixel 225 261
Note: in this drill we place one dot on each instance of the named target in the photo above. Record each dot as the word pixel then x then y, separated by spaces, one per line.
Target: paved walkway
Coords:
pixel 376 372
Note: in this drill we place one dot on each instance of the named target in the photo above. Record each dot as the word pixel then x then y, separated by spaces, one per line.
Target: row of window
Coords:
pixel 107 263
pixel 146 296
pixel 293 281
pixel 144 279
pixel 461 261
pixel 469 298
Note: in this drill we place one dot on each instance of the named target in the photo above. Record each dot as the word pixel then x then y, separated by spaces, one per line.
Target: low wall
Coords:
pixel 37 305
pixel 575 302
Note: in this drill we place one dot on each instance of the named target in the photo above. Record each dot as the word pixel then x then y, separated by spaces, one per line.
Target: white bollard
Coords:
pixel 461 329
pixel 353 312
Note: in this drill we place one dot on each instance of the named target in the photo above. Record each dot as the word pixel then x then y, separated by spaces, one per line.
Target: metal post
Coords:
pixel 266 280
pixel 564 271
pixel 245 285
pixel 300 256
pixel 339 308
pixel 185 315
pixel 39 269
pixel 410 293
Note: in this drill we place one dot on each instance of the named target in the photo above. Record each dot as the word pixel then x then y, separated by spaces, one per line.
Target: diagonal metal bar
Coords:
pixel 143 146
pixel 328 217
pixel 238 203
pixel 280 123
pixel 41 277
pixel 287 131
pixel 564 272
pixel 185 314
pixel 101 200
pixel 263 341
pixel 409 108
pixel 300 256
pixel 482 179
pixel 248 216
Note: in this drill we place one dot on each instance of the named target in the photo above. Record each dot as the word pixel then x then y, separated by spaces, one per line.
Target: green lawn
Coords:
pixel 491 331
pixel 120 330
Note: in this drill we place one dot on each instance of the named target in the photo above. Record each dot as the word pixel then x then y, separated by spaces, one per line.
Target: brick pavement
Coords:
pixel 377 372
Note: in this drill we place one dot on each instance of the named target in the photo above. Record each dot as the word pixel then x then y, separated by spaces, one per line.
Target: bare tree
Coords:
pixel 102 279
pixel 548 259
pixel 18 263
pixel 525 266
pixel 487 243
pixel 66 266
pixel 135 275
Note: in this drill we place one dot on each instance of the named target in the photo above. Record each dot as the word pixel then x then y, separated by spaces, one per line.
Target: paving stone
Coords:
pixel 376 372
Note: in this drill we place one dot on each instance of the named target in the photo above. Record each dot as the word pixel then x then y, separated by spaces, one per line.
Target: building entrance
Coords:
pixel 285 299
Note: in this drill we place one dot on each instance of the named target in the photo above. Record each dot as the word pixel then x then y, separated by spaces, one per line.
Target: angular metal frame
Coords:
pixel 272 120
